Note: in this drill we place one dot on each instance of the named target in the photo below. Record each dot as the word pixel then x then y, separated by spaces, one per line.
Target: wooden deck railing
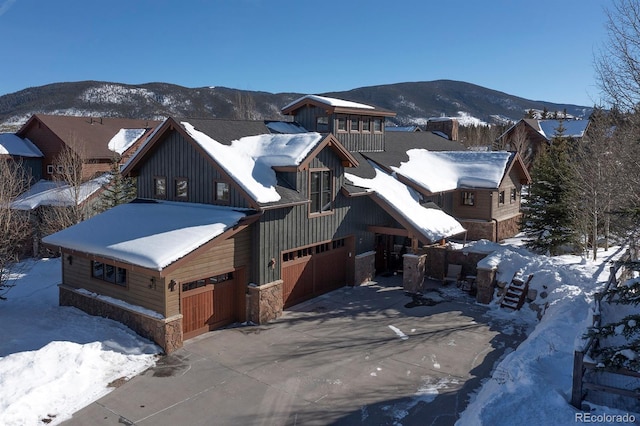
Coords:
pixel 580 365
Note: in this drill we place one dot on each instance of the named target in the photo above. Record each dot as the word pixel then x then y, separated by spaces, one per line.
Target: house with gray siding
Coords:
pixel 283 223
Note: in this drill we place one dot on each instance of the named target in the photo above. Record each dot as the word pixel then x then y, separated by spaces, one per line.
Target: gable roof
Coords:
pixel 150 234
pixel 402 203
pixel 86 136
pixel 334 106
pixel 450 170
pixel 11 144
pixel 547 128
pixel 251 160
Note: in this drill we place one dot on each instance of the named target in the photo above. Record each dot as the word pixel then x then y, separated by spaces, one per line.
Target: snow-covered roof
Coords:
pixel 249 160
pixel 434 224
pixel 124 139
pixel 449 170
pixel 148 234
pixel 330 101
pixel 573 128
pixel 11 144
pixel 51 193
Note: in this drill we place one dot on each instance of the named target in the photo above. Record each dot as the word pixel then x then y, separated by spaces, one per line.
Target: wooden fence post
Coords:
pixel 578 371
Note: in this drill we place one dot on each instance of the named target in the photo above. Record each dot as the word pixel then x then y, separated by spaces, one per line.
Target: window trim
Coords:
pixel 468 198
pixel 354 119
pixel 50 169
pixel 513 197
pixel 218 200
pixel 331 190
pixel 381 122
pixel 366 120
pixel 117 271
pixel 175 188
pixel 501 197
pixel 324 124
pixel 339 119
pixel 156 179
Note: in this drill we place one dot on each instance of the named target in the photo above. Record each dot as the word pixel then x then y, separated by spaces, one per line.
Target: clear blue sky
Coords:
pixel 540 50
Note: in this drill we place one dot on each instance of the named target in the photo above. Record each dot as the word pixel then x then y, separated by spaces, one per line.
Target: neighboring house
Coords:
pixel 22 151
pixel 402 129
pixel 88 137
pixel 480 189
pixel 528 135
pixel 237 220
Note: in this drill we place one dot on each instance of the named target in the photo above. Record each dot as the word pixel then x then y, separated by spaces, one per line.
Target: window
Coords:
pixel 182 188
pixel 160 187
pixel 192 285
pixel 468 198
pixel 377 125
pixel 354 125
pixel 322 124
pixel 321 190
pixel 366 125
pixel 514 195
pixel 222 192
pixel 501 197
pixel 109 273
pixel 60 169
pixel 342 124
pixel 50 169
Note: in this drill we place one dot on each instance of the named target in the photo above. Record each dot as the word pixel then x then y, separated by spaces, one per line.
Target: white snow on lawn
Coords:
pixel 56 360
pixel 434 224
pixel 152 235
pixel 449 170
pixel 249 160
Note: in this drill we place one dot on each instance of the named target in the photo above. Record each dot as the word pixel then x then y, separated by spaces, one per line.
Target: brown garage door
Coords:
pixel 311 271
pixel 209 303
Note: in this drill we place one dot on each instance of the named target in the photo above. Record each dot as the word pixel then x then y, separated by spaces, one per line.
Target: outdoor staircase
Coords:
pixel 515 293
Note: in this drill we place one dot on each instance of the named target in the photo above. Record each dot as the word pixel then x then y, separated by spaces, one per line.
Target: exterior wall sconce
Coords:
pixel 152 283
pixel 272 263
pixel 70 259
pixel 172 285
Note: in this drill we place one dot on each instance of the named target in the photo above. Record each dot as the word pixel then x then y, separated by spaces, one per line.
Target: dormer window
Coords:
pixel 322 124
pixel 321 191
pixel 366 124
pixel 341 124
pixel 354 124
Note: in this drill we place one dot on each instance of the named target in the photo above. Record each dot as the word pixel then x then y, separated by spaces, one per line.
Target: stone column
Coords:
pixel 413 272
pixel 265 302
pixel 365 267
pixel 485 282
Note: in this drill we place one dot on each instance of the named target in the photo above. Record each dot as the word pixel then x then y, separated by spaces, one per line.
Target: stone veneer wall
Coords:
pixel 365 267
pixel 413 272
pixel 509 227
pixel 166 332
pixel 265 302
pixel 479 230
pixel 485 282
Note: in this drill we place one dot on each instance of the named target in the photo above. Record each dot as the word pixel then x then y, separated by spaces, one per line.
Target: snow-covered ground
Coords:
pixel 55 360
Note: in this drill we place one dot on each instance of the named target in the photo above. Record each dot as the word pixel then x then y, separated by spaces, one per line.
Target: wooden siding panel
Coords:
pixel 174 157
pixel 227 256
pixel 482 208
pixel 139 290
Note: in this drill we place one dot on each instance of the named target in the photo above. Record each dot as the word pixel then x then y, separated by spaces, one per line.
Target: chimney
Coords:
pixel 445 125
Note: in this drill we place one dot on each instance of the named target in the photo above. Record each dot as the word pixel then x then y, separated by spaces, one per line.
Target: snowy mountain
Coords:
pixel 414 103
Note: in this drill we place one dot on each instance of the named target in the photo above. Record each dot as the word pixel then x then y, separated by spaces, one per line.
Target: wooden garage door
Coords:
pixel 311 271
pixel 209 303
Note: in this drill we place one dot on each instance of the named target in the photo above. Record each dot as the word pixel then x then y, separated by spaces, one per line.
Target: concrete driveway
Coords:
pixel 361 355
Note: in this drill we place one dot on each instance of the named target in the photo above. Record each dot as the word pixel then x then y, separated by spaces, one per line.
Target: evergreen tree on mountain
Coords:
pixel 548 222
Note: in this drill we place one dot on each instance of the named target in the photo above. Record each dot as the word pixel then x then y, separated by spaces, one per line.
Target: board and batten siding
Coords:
pixel 174 157
pixel 226 256
pixel 287 228
pixel 508 209
pixel 139 290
